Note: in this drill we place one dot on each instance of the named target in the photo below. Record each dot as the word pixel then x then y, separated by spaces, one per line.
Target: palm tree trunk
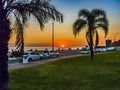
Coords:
pixel 4 38
pixel 22 46
pixel 4 77
pixel 91 47
pixel 91 28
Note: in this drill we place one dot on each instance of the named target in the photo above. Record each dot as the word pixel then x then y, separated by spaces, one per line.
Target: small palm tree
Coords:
pixel 19 12
pixel 92 20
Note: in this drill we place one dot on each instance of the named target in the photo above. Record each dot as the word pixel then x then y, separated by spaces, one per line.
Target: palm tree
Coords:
pixel 19 31
pixel 92 20
pixel 19 12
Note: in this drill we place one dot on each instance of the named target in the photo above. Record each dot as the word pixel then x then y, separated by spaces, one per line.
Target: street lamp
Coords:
pixel 52 36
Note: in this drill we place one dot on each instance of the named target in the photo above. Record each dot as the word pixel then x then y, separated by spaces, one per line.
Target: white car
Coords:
pixel 32 56
pixel 50 54
pixel 85 52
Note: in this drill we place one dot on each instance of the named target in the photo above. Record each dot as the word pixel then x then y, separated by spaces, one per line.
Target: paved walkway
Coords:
pixel 33 63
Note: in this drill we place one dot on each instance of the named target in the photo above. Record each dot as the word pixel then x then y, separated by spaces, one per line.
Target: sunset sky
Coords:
pixel 63 31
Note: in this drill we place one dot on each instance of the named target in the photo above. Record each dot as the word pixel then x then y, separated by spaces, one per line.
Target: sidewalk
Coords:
pixel 33 63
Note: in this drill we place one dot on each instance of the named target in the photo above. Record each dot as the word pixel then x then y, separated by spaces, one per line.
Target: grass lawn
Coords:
pixel 77 73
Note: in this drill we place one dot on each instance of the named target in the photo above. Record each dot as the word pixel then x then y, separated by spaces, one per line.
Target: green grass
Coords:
pixel 77 73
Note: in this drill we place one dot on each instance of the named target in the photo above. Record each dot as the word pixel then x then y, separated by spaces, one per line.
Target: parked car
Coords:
pixel 45 55
pixel 50 54
pixel 33 56
pixel 111 48
pixel 104 50
pixel 85 52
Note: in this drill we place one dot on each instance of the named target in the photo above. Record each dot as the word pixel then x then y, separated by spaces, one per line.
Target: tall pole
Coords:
pixel 52 36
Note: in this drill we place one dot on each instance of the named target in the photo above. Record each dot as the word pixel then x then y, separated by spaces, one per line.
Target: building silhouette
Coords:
pixel 116 43
pixel 108 43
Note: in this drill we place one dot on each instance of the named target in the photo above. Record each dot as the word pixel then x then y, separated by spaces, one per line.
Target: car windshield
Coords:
pixel 46 52
pixel 33 53
pixel 53 51
pixel 25 53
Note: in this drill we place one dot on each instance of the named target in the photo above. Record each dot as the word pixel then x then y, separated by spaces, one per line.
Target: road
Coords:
pixel 33 63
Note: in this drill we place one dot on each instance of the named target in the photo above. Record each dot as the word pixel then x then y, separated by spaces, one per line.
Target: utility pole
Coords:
pixel 52 36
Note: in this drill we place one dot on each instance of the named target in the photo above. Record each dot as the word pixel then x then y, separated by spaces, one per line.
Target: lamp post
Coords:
pixel 52 36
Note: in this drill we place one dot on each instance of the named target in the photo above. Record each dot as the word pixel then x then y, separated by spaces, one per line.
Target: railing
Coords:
pixel 14 60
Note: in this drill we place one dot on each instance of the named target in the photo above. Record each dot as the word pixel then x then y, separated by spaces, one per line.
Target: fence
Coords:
pixel 14 60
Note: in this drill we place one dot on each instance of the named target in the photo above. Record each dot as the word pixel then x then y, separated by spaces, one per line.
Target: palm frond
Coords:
pixel 78 25
pixel 19 35
pixel 98 12
pixel 83 13
pixel 104 28
pixel 42 10
pixel 88 38
pixel 97 38
pixel 102 20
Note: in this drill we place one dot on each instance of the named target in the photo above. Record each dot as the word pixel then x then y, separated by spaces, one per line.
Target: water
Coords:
pixel 33 48
pixel 44 48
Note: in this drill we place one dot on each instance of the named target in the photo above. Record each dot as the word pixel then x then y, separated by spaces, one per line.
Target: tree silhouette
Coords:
pixel 93 20
pixel 19 12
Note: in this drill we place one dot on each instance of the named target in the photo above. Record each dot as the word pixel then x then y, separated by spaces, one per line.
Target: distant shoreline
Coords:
pixel 44 48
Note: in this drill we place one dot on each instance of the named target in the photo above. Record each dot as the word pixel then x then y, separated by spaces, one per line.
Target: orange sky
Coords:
pixel 63 31
pixel 63 35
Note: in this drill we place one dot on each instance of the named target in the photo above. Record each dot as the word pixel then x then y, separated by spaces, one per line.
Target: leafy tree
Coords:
pixel 92 20
pixel 19 12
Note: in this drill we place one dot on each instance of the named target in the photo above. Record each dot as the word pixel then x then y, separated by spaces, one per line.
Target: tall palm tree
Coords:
pixel 92 20
pixel 19 12
pixel 19 31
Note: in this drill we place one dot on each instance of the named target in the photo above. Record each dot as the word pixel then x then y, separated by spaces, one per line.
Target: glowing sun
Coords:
pixel 62 45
